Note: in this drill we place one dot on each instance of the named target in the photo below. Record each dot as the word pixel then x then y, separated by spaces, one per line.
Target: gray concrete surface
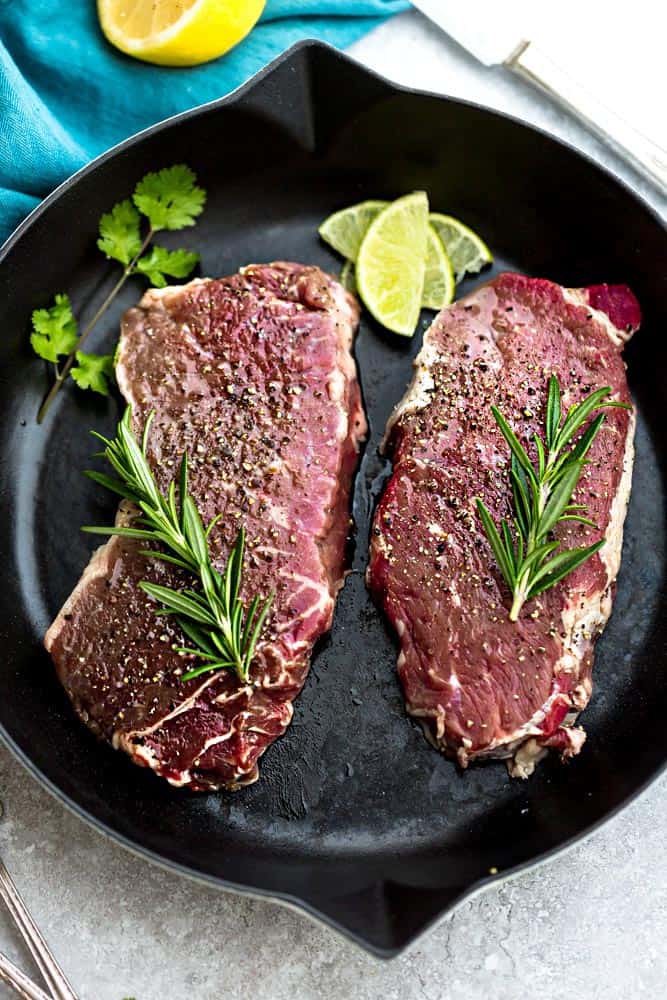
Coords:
pixel 591 924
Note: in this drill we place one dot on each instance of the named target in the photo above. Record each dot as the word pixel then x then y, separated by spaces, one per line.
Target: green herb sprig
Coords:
pixel 169 199
pixel 222 631
pixel 542 495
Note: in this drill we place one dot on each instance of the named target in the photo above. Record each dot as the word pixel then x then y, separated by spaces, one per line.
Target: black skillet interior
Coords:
pixel 355 817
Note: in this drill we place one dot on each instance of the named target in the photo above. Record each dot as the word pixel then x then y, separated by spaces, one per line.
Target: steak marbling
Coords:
pixel 481 685
pixel 253 376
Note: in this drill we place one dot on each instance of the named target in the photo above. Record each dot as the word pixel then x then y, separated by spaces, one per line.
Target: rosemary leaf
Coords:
pixel 165 557
pixel 213 618
pixel 560 566
pixel 124 532
pixel 542 495
pixel 198 637
pixel 559 497
pixel 553 412
pixel 517 448
pixel 114 485
pixel 208 667
pixel 503 559
pixel 175 602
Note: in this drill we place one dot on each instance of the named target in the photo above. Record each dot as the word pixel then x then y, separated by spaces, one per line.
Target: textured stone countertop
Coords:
pixel 590 924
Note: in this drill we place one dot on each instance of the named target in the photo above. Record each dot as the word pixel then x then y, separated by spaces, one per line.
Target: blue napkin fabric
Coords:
pixel 66 95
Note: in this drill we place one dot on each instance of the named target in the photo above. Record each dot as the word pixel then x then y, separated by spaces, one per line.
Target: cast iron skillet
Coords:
pixel 355 819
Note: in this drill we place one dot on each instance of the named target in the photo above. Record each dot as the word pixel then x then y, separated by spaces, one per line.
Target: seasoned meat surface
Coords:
pixel 254 378
pixel 482 685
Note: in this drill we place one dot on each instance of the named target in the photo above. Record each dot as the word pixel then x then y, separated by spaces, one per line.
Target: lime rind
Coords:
pixel 466 250
pixel 347 277
pixel 345 230
pixel 439 283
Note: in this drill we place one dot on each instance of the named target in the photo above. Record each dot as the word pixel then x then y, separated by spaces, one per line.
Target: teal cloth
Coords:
pixel 67 95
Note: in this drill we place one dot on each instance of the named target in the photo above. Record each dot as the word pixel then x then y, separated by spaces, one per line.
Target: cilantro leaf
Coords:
pixel 157 263
pixel 170 198
pixel 93 371
pixel 119 232
pixel 54 330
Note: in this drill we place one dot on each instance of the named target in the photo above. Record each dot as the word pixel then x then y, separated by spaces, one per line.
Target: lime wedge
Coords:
pixel 345 230
pixel 392 261
pixel 467 252
pixel 347 278
pixel 439 284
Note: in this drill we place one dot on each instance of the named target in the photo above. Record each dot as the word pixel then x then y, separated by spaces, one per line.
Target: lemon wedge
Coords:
pixel 177 32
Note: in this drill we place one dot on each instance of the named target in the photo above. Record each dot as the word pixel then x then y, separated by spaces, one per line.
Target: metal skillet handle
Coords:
pixel 19 982
pixel 53 975
pixel 530 62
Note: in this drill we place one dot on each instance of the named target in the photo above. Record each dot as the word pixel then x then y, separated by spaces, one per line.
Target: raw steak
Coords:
pixel 253 376
pixel 481 685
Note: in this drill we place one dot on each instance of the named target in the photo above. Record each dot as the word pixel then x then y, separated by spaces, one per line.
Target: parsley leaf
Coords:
pixel 119 232
pixel 54 330
pixel 157 263
pixel 93 371
pixel 170 198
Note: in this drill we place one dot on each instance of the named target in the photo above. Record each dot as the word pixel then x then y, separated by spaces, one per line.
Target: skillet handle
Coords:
pixel 531 63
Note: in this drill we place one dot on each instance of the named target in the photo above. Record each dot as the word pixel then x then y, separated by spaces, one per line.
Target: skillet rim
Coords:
pixel 308 906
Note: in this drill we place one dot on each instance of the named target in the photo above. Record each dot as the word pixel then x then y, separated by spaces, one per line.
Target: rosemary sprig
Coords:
pixel 527 555
pixel 223 633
